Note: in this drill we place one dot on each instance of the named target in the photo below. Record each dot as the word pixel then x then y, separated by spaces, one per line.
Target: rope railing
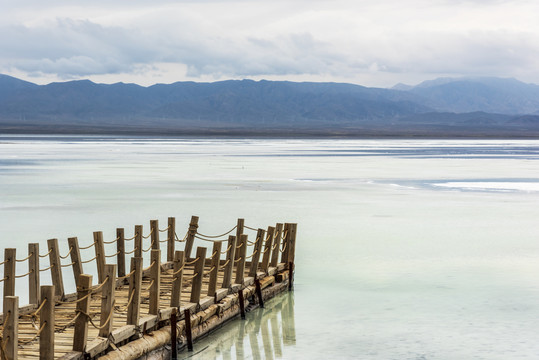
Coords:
pixel 238 259
pixel 76 301
pixel 126 276
pixel 45 255
pixel 228 248
pixel 217 236
pixel 192 262
pixel 150 286
pixel 87 247
pixel 209 240
pixel 184 238
pixel 69 323
pixel 131 238
pixel 23 275
pixel 166 229
pixel 178 271
pixel 26 258
pixel 47 268
pixel 4 279
pixel 225 264
pixel 113 255
pixel 3 262
pixel 149 267
pixel 100 286
pixel 68 253
pixel 98 327
pixel 151 246
pixel 284 247
pixel 209 271
pixel 250 256
pixel 187 278
pixel 119 309
pixel 239 246
pixel 147 236
pixel 67 265
pixel 87 261
pixel 132 251
pixel 28 341
pixel 112 241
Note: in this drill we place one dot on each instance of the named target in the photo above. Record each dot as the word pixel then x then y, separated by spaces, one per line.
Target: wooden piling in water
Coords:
pixel 188 330
pixel 56 268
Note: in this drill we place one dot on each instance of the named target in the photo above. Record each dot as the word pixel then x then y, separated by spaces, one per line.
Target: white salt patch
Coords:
pixel 513 186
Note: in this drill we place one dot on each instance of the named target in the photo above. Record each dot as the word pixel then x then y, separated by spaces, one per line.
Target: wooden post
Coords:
pixel 242 303
pixel 239 231
pixel 46 321
pixel 292 243
pixel 240 267
pixel 120 249
pixel 154 229
pixel 100 255
pixel 73 243
pixel 171 238
pixel 215 262
pixel 193 226
pixel 138 241
pixel 267 249
pixel 276 249
pixel 107 300
pixel 177 279
pixel 286 243
pixel 56 267
pixel 10 255
pixel 173 336
pixel 256 253
pixel 229 267
pixel 290 276
pixel 155 277
pixel 259 293
pixel 188 333
pixel 80 336
pixel 135 285
pixel 11 327
pixel 33 277
pixel 199 274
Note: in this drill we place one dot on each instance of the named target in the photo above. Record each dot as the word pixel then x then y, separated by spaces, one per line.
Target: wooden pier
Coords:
pixel 132 309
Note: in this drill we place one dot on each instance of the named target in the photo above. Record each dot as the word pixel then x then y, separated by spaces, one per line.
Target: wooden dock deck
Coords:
pixel 128 314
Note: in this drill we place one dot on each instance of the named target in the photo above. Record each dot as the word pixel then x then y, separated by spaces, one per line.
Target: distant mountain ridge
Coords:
pixel 452 107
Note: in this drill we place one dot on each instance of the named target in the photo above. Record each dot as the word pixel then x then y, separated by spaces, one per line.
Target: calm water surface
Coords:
pixel 406 249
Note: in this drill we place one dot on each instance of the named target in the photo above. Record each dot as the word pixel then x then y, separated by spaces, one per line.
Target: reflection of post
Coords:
pixel 276 333
pixel 240 354
pixel 253 340
pixel 266 339
pixel 289 325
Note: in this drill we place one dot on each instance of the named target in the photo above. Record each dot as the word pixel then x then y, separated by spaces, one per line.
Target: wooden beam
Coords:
pixel 239 231
pixel 10 255
pixel 100 255
pixel 138 241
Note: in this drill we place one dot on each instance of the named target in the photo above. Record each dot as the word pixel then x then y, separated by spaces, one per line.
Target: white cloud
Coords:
pixel 376 43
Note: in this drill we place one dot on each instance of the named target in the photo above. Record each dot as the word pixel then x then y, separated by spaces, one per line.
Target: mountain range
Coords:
pixel 443 107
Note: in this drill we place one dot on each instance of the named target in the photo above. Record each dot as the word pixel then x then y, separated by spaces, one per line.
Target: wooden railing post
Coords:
pixel 240 267
pixel 33 277
pixel 229 267
pixel 46 322
pixel 56 267
pixel 107 302
pixel 100 255
pixel 135 285
pixel 239 231
pixel 276 248
pixel 177 279
pixel 198 275
pixel 10 254
pixel 215 262
pixel 155 277
pixel 193 226
pixel 171 238
pixel 11 327
pixel 292 243
pixel 120 249
pixel 80 336
pixel 73 243
pixel 154 228
pixel 286 243
pixel 138 241
pixel 256 253
pixel 267 249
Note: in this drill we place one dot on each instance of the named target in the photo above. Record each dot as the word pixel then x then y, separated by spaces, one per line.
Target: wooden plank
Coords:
pixel 10 334
pixel 216 256
pixel 240 267
pixel 154 230
pixel 56 268
pixel 229 267
pixel 120 249
pixel 74 247
pixel 33 277
pixel 189 241
pixel 46 322
pixel 135 286
pixel 80 335
pixel 198 275
pixel 267 248
pixel 155 278
pixel 256 252
pixel 100 255
pixel 177 279
pixel 123 333
pixel 171 238
pixel 96 346
pixel 107 301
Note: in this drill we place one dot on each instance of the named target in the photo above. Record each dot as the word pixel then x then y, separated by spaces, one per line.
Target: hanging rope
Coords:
pixel 150 286
pixel 209 240
pixel 225 264
pixel 87 261
pixel 239 246
pixel 26 258
pixel 147 236
pixel 126 276
pixel 66 265
pixel 192 262
pixel 50 267
pixel 60 328
pixel 68 253
pixel 187 278
pixel 78 300
pixel 228 248
pixel 148 249
pixel 112 241
pixel 119 309
pixel 96 289
pixel 87 247
pixel 4 279
pixel 24 342
pixel 149 267
pixel 209 272
pixel 164 229
pixel 250 228
pixel 131 238
pixel 284 247
pixel 184 238
pixel 28 273
pixel 253 254
pixel 132 251
pixel 47 254
pixel 217 236
pixel 92 322
pixel 178 271
pixel 3 262
pixel 113 255
pixel 240 258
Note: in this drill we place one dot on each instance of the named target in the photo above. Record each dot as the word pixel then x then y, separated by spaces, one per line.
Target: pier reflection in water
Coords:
pixel 264 334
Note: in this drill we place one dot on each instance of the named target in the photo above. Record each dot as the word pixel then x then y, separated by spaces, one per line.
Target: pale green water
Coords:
pixel 406 249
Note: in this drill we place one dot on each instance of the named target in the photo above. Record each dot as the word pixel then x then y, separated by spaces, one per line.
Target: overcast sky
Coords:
pixel 368 42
